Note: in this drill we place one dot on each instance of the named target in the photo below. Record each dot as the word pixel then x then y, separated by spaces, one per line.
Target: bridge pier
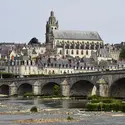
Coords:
pixel 65 88
pixel 13 89
pixel 102 88
pixel 37 88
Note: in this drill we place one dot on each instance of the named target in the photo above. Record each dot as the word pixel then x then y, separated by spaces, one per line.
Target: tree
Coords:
pixel 33 41
pixel 57 90
pixel 122 54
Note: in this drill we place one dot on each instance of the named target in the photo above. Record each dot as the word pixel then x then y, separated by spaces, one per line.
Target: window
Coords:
pixel 82 52
pixel 77 46
pixel 86 52
pixel 72 52
pixel 67 52
pixel 72 45
pixel 60 52
pixel 31 63
pixel 22 62
pixel 27 62
pixel 53 72
pixel 49 72
pixel 77 52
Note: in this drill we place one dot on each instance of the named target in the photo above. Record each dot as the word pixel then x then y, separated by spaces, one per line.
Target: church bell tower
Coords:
pixel 52 24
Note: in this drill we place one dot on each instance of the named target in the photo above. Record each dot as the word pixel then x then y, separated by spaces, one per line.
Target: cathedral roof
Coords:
pixel 76 35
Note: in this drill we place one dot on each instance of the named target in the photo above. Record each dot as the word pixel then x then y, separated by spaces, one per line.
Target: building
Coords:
pixel 73 43
pixel 64 51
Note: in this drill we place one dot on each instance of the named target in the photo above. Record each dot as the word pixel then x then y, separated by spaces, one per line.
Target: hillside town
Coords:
pixel 63 52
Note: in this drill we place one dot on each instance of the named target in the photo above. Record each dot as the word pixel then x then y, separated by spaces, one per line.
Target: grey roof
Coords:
pixel 76 35
pixel 66 63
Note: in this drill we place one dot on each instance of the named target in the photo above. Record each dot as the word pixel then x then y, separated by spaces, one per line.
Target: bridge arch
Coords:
pixel 81 88
pixel 117 88
pixel 25 88
pixel 4 89
pixel 48 88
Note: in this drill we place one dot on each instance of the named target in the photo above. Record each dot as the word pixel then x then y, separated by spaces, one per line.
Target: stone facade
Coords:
pixel 74 43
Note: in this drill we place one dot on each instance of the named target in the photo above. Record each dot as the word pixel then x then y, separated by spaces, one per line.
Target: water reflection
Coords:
pixel 60 103
pixel 47 103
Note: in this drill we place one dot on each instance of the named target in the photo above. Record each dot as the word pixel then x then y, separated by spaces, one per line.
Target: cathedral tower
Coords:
pixel 52 24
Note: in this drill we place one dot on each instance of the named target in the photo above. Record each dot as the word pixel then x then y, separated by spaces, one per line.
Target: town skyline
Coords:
pixel 23 20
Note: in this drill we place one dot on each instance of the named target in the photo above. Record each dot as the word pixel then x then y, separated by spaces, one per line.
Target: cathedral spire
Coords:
pixel 52 13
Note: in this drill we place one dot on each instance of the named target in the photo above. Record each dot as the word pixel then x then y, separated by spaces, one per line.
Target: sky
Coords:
pixel 21 20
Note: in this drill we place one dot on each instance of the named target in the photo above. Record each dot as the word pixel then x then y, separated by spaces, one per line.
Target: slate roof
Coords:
pixel 76 35
pixel 86 62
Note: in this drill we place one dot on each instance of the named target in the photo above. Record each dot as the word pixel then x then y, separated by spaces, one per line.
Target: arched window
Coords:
pixel 60 52
pixel 97 45
pixel 53 72
pixel 82 52
pixel 72 52
pixel 77 52
pixel 86 52
pixel 82 46
pixel 51 64
pixel 66 65
pixel 77 45
pixel 49 72
pixel 67 52
pixel 92 45
pixel 67 45
pixel 72 46
pixel 62 43
pixel 87 45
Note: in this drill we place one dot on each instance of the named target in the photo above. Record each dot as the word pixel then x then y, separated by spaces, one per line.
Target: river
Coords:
pixel 52 109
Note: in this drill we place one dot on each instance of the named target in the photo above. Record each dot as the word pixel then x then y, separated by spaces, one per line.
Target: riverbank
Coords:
pixel 58 116
pixel 18 112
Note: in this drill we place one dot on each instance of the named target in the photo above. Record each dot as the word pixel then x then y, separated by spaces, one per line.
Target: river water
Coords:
pixel 60 109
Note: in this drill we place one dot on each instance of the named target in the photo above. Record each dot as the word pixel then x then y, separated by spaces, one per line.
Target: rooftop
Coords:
pixel 76 35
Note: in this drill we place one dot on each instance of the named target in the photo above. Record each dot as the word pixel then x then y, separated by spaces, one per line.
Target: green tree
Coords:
pixel 122 54
pixel 57 90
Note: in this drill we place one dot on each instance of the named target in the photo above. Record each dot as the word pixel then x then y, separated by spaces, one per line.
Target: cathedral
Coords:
pixel 70 42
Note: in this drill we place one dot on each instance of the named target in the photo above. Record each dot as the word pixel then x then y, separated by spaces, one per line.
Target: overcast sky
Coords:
pixel 20 20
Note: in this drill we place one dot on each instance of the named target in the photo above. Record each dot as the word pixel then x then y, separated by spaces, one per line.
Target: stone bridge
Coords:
pixel 106 83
